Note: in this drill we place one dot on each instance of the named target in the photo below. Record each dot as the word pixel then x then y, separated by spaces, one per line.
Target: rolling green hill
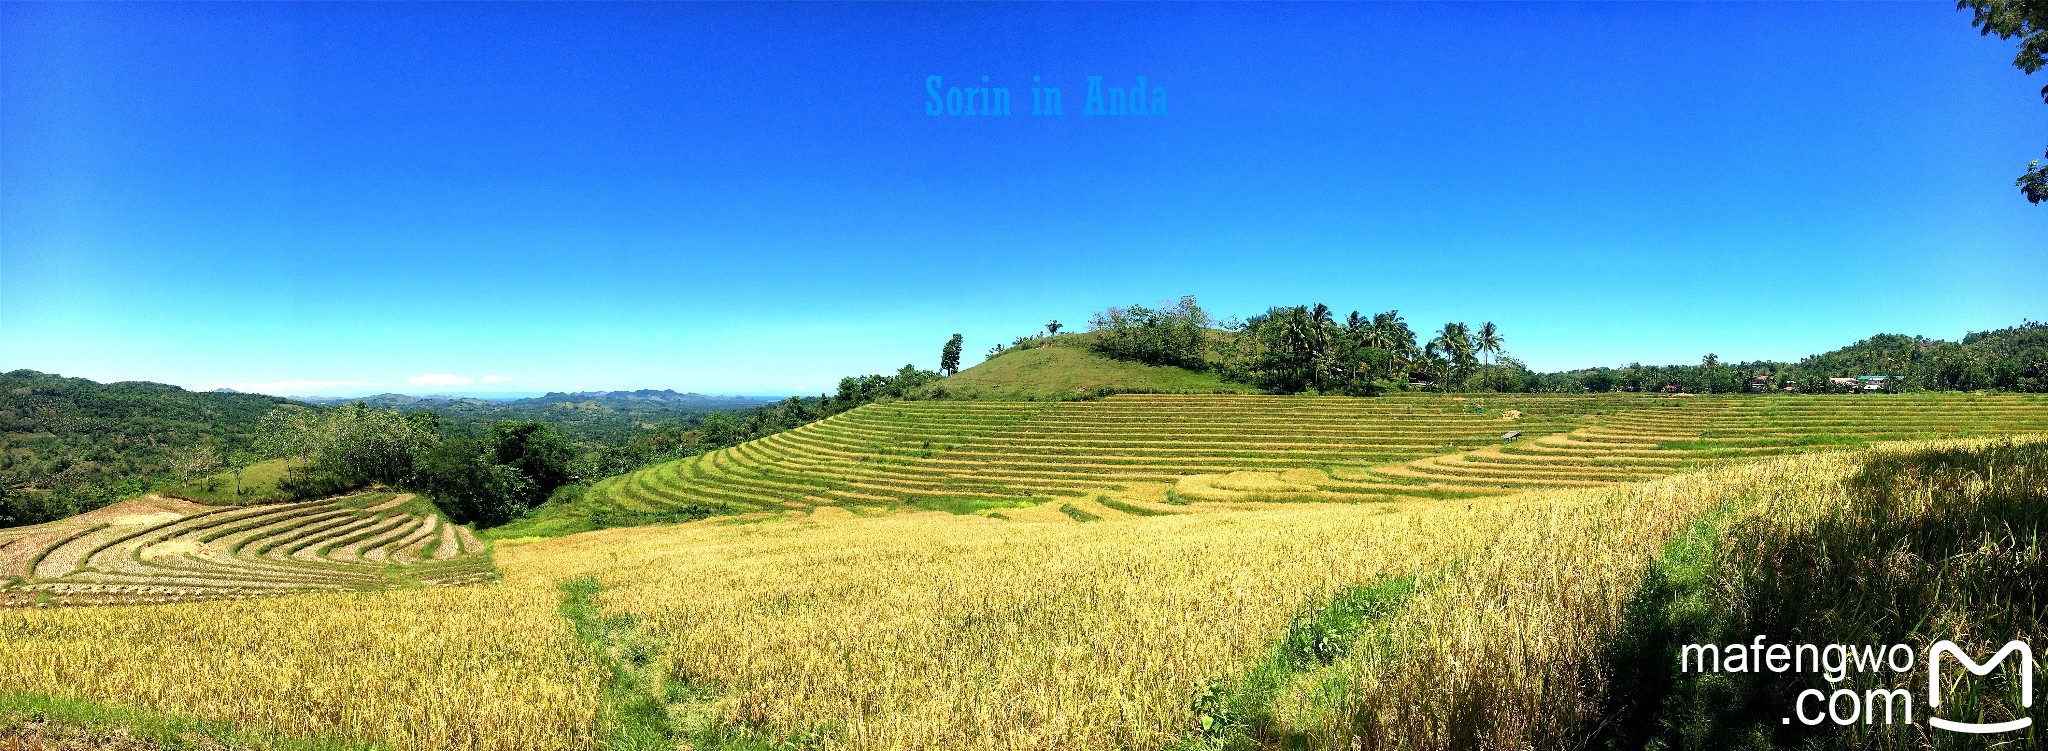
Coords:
pixel 70 444
pixel 2014 359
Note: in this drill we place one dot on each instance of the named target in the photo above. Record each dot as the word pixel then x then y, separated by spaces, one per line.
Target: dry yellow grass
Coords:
pixel 942 632
pixel 490 668
pixel 1502 653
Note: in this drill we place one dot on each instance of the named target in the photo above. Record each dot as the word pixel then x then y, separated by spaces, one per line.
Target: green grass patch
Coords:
pixel 643 708
pixel 1237 714
pixel 1132 508
pixel 258 485
pixel 1078 514
pixel 964 505
pixel 1059 372
pixel 560 518
pixel 91 723
pixel 634 709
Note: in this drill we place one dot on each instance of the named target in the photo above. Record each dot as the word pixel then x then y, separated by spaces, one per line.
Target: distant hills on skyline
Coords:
pixel 663 396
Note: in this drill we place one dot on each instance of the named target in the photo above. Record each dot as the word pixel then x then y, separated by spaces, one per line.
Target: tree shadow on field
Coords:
pixel 1935 544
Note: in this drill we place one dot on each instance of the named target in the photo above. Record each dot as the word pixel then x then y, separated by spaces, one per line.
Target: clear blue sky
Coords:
pixel 351 198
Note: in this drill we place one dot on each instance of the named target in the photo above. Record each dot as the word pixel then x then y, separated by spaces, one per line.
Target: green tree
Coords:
pixel 1391 333
pixel 285 433
pixel 194 460
pixel 466 485
pixel 539 452
pixel 2027 20
pixel 1433 365
pixel 949 357
pixel 1052 328
pixel 721 430
pixel 1454 345
pixel 1175 334
pixel 1488 341
pixel 238 462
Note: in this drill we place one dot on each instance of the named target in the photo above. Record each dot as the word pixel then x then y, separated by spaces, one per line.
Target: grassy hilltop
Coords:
pixel 1068 370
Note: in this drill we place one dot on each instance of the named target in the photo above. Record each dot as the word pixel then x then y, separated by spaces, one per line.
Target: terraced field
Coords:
pixel 1146 454
pixel 1647 443
pixel 161 549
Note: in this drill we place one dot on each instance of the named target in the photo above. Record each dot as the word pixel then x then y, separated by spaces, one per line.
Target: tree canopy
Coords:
pixel 949 356
pixel 2026 20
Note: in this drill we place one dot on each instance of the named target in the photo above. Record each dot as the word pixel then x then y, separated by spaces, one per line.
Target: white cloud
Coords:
pixel 291 388
pixel 497 379
pixel 438 379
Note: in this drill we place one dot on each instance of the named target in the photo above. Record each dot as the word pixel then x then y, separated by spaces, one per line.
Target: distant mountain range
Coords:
pixel 655 398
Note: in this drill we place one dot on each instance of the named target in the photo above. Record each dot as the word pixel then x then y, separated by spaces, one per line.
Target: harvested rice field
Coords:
pixel 159 549
pixel 1151 450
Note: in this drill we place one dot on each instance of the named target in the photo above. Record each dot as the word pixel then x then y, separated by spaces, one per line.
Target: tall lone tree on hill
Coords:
pixel 2028 20
pixel 949 358
pixel 1052 328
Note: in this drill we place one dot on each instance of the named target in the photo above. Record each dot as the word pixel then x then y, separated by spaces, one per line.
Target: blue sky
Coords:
pixel 351 198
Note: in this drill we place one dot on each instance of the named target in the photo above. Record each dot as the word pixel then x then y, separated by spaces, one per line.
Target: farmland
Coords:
pixel 160 549
pixel 1157 451
pixel 1139 571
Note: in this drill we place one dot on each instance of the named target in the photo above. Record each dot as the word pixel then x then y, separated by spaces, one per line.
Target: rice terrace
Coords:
pixel 702 376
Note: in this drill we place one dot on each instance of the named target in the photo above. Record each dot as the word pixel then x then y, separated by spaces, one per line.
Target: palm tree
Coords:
pixel 1488 340
pixel 1390 333
pixel 1052 328
pixel 1356 325
pixel 1320 315
pixel 1455 344
pixel 1432 364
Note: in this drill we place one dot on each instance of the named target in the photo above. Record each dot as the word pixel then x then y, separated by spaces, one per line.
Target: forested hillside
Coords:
pixel 2013 359
pixel 594 418
pixel 2009 359
pixel 69 444
pixel 72 445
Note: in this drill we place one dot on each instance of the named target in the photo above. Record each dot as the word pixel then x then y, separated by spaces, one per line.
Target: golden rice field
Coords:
pixel 812 618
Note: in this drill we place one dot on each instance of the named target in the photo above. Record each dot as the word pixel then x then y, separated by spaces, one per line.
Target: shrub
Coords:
pixel 1170 335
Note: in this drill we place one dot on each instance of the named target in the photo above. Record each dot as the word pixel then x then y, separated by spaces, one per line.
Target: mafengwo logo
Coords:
pixel 1949 648
pixel 1844 706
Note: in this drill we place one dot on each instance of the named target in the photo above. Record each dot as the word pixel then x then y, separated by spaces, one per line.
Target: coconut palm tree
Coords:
pixel 1454 343
pixel 1356 325
pixel 1432 364
pixel 1488 341
pixel 1390 333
